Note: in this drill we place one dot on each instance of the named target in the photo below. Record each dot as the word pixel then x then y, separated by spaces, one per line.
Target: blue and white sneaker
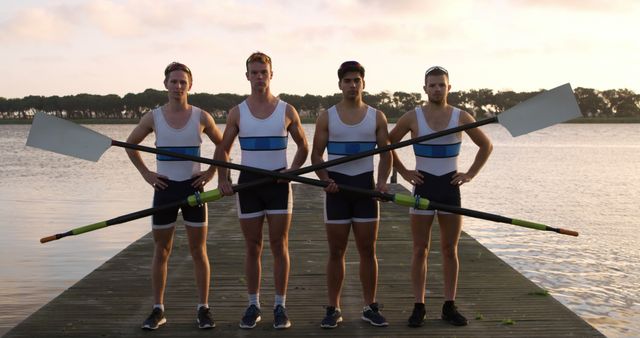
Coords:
pixel 251 317
pixel 155 319
pixel 280 318
pixel 332 318
pixel 372 315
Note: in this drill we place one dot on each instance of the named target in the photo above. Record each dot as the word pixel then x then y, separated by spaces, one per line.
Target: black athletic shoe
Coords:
pixel 205 318
pixel 251 317
pixel 451 315
pixel 155 319
pixel 418 316
pixel 280 318
pixel 372 315
pixel 332 318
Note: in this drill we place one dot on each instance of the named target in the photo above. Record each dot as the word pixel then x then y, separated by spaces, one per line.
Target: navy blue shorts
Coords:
pixel 175 191
pixel 346 207
pixel 269 198
pixel 438 189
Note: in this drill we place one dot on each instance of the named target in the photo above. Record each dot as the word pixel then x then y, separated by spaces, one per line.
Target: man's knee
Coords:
pixel 199 254
pixel 449 251
pixel 420 250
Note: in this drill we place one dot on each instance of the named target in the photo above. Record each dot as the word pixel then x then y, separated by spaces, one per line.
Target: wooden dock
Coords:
pixel 114 299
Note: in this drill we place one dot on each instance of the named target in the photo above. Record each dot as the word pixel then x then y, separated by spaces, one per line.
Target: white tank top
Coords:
pixel 185 140
pixel 346 139
pixel 263 141
pixel 438 156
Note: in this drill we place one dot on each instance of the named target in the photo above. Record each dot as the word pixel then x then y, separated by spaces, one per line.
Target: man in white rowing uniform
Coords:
pixel 351 127
pixel 178 127
pixel 262 123
pixel 437 178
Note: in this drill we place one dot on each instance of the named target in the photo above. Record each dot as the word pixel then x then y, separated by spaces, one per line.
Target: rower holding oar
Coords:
pixel 178 127
pixel 350 127
pixel 262 123
pixel 437 178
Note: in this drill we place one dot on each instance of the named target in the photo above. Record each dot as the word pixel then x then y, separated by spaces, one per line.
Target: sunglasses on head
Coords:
pixel 431 69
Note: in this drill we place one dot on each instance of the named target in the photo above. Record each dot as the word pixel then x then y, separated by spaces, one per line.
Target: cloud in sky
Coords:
pixel 120 46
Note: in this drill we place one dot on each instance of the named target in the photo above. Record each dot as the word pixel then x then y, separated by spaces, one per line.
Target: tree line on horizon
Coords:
pixel 479 102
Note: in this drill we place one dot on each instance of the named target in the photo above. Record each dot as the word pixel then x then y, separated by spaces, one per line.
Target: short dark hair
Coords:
pixel 177 66
pixel 350 66
pixel 259 57
pixel 436 71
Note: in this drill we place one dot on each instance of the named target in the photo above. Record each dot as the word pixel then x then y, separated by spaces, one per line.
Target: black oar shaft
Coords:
pixel 270 173
pixel 116 220
pixel 310 168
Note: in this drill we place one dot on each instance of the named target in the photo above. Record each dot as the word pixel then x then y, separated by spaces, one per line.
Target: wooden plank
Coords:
pixel 113 300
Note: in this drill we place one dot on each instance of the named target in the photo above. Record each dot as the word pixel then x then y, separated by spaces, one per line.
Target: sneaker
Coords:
pixel 280 318
pixel 251 317
pixel 155 319
pixel 372 315
pixel 332 318
pixel 418 316
pixel 205 319
pixel 450 314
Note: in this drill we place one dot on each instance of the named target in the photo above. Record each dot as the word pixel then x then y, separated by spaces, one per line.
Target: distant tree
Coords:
pixel 481 102
pixel 591 102
pixel 622 102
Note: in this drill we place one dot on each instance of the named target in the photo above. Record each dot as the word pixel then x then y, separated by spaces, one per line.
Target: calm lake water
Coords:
pixel 584 177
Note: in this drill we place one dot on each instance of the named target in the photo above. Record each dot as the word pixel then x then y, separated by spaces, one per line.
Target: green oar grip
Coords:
pixel 89 227
pixel 411 201
pixel 528 224
pixel 204 197
pixel 538 226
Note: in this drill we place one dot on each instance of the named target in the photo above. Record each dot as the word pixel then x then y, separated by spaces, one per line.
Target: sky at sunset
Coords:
pixel 66 47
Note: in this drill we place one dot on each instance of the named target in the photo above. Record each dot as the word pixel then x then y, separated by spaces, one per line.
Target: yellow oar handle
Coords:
pixel 204 197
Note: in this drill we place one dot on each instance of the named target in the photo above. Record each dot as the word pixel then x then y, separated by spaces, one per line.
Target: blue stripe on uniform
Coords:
pixel 192 151
pixel 437 150
pixel 349 148
pixel 263 143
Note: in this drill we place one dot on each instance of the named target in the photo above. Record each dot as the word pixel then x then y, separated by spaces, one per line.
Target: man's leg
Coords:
pixel 252 231
pixel 421 234
pixel 198 247
pixel 366 234
pixel 337 238
pixel 450 229
pixel 279 241
pixel 163 242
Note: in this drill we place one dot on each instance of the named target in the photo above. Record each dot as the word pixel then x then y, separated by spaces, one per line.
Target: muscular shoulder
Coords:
pixel 408 118
pixel 466 117
pixel 146 122
pixel 205 118
pixel 381 118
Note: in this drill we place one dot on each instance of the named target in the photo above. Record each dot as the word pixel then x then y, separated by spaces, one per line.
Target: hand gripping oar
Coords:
pixel 543 110
pixel 400 199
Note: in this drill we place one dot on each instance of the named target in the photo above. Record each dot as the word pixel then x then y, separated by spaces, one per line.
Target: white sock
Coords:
pixel 254 299
pixel 206 306
pixel 159 306
pixel 280 300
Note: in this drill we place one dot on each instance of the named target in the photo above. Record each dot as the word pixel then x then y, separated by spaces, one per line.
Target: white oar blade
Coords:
pixel 67 138
pixel 543 110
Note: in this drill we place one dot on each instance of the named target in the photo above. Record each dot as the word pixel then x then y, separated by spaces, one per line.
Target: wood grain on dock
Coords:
pixel 113 300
